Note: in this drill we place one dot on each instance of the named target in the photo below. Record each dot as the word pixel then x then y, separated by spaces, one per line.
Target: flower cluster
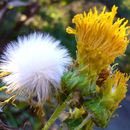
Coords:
pixel 99 41
pixel 35 63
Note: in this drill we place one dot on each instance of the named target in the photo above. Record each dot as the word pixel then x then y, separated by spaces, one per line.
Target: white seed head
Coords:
pixel 36 62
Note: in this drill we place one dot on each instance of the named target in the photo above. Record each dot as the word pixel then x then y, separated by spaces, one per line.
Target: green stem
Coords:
pixel 84 122
pixel 57 112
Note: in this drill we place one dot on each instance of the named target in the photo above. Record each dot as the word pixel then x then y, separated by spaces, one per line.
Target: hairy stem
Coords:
pixel 57 112
pixel 84 122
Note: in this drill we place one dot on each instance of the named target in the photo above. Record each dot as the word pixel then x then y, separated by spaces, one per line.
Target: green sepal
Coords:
pixel 101 115
pixel 72 124
pixel 79 80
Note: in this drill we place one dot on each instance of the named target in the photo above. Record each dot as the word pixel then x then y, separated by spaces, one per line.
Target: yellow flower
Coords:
pixel 99 39
pixel 109 95
pixel 115 87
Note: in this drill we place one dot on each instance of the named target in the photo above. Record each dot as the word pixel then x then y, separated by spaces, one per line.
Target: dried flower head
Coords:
pixel 34 63
pixel 99 37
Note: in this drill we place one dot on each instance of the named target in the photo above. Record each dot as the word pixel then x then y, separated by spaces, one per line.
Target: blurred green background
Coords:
pixel 21 17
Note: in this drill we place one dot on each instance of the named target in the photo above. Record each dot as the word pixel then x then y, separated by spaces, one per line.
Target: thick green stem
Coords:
pixel 57 112
pixel 84 122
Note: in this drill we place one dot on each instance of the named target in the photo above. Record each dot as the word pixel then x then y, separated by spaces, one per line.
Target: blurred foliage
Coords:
pixel 50 16
pixel 124 7
pixel 124 61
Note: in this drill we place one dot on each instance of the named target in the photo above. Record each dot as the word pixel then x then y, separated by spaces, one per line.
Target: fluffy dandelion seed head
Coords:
pixel 36 62
pixel 99 39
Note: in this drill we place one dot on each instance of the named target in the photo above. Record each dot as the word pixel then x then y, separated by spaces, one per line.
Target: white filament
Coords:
pixel 36 63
